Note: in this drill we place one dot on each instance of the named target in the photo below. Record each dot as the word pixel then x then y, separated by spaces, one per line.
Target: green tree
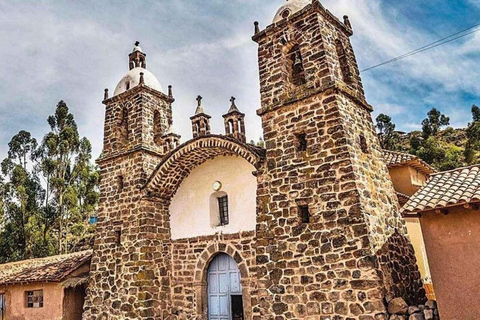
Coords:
pixel 389 138
pixel 453 158
pixel 431 151
pixel 472 146
pixel 433 123
pixel 64 161
pixel 21 201
pixel 475 113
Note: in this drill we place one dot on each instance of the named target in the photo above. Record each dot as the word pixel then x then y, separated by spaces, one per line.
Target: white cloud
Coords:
pixel 58 51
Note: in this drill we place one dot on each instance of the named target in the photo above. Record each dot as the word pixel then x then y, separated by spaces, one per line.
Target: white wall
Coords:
pixel 190 207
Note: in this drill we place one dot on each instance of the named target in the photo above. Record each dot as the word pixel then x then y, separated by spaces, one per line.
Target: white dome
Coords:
pixel 132 79
pixel 289 8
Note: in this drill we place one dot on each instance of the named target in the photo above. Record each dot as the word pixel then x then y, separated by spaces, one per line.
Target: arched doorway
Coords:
pixel 224 289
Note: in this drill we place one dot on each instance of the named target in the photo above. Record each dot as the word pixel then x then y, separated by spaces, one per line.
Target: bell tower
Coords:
pixel 138 133
pixel 330 238
pixel 139 114
pixel 234 122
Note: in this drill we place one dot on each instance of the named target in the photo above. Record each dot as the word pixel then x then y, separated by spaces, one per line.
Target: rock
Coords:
pixel 396 317
pixel 416 316
pixel 413 309
pixel 428 314
pixel 431 304
pixel 397 306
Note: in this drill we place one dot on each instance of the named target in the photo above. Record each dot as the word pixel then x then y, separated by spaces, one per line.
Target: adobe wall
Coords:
pixel 74 299
pixel 16 303
pixel 452 245
pixel 415 234
pixel 407 180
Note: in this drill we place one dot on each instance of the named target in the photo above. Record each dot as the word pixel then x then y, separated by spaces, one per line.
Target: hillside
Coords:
pixel 438 144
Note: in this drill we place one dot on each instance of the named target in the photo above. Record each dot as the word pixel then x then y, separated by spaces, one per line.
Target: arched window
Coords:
pixel 295 66
pixel 123 127
pixel 157 127
pixel 120 183
pixel 219 213
pixel 343 61
pixel 230 126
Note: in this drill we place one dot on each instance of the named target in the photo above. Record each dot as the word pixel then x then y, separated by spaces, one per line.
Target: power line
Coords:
pixel 429 46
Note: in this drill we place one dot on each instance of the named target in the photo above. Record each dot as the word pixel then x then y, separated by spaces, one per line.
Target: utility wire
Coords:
pixel 429 46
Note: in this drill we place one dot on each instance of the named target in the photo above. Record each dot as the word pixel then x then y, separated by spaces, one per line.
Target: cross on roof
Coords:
pixel 232 100
pixel 199 100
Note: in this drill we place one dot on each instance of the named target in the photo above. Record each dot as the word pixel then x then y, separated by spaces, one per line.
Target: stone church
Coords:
pixel 307 227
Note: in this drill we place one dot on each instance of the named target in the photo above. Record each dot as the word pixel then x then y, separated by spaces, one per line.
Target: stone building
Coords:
pixel 308 227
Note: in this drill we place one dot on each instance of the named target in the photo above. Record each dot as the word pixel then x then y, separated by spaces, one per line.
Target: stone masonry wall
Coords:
pixel 190 260
pixel 129 260
pixel 329 265
pixel 130 264
pixel 386 227
pixel 325 267
pixel 140 104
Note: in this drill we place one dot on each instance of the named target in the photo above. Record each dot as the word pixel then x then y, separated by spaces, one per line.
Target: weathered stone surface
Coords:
pixel 431 304
pixel 428 313
pixel 413 309
pixel 329 241
pixel 397 306
pixel 416 316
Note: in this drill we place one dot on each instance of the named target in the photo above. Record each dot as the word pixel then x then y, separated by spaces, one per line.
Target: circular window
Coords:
pixel 217 185
pixel 285 14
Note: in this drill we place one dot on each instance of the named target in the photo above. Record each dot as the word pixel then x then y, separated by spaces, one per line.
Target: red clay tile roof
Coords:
pixel 402 198
pixel 447 189
pixel 50 269
pixel 396 159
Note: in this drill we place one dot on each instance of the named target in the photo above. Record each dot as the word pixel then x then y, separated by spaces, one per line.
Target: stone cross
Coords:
pixel 199 100
pixel 232 100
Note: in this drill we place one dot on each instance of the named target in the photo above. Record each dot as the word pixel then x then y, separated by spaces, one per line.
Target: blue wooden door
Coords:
pixel 223 282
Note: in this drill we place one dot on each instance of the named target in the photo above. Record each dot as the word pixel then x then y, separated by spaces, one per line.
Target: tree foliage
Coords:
pixel 47 192
pixel 389 138
pixel 443 148
pixel 472 148
pixel 433 123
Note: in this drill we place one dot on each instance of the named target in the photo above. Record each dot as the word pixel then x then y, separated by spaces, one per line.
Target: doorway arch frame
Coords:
pixel 201 273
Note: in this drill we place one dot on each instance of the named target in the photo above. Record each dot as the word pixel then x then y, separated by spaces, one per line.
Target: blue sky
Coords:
pixel 72 50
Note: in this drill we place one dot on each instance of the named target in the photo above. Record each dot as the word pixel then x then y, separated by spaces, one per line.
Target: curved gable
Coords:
pixel 177 165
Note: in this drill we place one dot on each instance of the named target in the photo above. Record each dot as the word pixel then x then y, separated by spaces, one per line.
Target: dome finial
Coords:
pixel 137 59
pixel 290 8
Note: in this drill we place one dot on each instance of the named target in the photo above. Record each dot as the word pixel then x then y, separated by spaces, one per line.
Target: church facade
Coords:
pixel 308 227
